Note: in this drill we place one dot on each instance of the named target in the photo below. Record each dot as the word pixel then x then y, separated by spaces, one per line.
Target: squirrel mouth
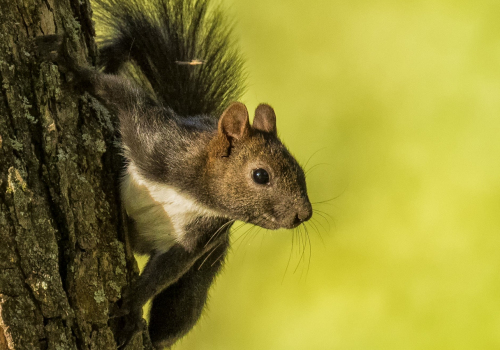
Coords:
pixel 270 222
pixel 269 217
pixel 266 221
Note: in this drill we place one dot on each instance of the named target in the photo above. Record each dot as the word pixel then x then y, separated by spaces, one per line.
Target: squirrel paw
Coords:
pixel 128 318
pixel 126 305
pixel 133 324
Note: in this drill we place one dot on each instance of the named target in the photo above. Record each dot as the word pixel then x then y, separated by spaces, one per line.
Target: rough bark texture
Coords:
pixel 62 262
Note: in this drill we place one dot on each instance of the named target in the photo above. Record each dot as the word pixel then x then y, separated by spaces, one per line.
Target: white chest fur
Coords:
pixel 160 212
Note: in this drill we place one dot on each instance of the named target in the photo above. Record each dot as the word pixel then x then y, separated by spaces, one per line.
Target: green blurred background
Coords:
pixel 397 105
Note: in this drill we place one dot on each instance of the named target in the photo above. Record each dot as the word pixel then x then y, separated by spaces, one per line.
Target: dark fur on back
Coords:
pixel 157 36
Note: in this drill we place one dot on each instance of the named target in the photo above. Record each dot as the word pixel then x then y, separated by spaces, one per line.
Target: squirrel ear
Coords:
pixel 265 119
pixel 234 121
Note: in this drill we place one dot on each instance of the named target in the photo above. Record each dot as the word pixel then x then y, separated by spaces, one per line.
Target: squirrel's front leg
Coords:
pixel 161 271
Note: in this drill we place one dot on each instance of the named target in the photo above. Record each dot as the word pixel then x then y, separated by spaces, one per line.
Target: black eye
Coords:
pixel 260 176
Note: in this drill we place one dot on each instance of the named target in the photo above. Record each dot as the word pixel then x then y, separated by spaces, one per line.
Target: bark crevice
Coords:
pixel 63 262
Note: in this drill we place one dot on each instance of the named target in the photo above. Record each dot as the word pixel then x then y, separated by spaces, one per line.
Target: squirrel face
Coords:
pixel 252 175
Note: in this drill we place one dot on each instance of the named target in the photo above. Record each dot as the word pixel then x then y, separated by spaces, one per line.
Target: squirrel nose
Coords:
pixel 303 214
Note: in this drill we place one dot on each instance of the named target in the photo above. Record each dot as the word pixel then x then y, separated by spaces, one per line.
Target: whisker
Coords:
pixel 310 250
pixel 244 236
pixel 289 257
pixel 313 225
pixel 236 229
pixel 262 236
pixel 219 230
pixel 241 235
pixel 250 234
pixel 323 217
pixel 326 201
pixel 213 250
pixel 303 250
pixel 314 166
pixel 255 233
pixel 323 212
pixel 218 258
pixel 312 155
pixel 313 219
pixel 299 237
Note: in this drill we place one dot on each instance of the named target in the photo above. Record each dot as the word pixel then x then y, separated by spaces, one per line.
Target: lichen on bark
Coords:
pixel 63 262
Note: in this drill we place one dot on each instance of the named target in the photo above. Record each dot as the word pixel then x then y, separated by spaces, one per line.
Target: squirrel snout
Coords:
pixel 304 213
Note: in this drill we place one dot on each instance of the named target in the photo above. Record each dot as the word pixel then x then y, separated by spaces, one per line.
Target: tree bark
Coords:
pixel 62 260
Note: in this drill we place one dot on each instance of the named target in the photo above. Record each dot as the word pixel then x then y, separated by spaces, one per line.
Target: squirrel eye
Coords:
pixel 260 176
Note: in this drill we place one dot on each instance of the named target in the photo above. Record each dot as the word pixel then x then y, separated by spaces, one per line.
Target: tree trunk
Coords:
pixel 62 260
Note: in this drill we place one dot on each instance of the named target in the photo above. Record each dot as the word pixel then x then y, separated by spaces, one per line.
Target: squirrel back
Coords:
pixel 179 51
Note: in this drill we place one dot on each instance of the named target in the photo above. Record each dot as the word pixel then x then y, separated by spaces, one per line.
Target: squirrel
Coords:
pixel 193 163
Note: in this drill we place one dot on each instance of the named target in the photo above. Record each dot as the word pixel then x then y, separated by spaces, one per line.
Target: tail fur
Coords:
pixel 151 41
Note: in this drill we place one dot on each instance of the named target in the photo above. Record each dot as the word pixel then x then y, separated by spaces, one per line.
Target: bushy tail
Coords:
pixel 180 50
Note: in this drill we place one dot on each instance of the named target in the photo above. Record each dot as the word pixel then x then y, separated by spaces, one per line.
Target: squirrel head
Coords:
pixel 252 176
